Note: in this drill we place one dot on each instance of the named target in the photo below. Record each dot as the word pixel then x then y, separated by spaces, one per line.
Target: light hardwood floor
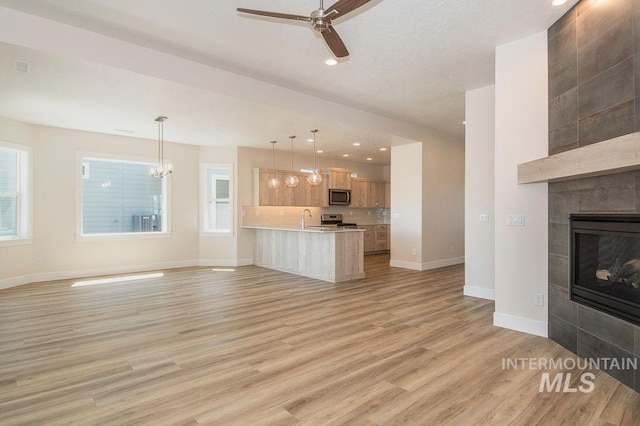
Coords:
pixel 258 346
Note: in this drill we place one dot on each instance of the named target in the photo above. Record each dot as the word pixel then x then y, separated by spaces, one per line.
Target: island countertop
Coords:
pixel 325 253
pixel 311 228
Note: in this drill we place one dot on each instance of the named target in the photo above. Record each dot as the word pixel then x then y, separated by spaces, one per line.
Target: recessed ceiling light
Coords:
pixel 356 144
pixel 464 122
pixel 383 149
pixel 369 159
pixel 319 151
pixel 331 62
pixel 345 155
pixel 558 2
pixel 309 140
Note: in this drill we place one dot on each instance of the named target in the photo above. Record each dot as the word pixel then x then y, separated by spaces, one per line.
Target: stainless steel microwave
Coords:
pixel 339 197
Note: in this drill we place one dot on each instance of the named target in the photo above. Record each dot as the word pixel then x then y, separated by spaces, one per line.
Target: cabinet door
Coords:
pixel 358 198
pixel 340 179
pixel 266 196
pixel 369 239
pixel 387 195
pixel 315 195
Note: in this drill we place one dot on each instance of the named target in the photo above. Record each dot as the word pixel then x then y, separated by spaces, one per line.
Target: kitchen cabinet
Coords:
pixel 316 195
pixel 304 195
pixel 367 193
pixel 359 192
pixel 376 238
pixel 387 195
pixel 339 178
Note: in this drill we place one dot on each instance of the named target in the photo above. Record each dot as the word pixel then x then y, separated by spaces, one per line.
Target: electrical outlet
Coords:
pixel 538 299
pixel 414 252
pixel 484 218
pixel 38 261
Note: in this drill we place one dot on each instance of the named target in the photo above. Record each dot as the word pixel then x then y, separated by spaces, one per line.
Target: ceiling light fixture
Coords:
pixel 356 144
pixel 292 180
pixel 319 151
pixel 314 178
pixel 558 2
pixel 274 182
pixel 369 159
pixel 331 62
pixel 161 169
pixel 383 149
pixel 345 155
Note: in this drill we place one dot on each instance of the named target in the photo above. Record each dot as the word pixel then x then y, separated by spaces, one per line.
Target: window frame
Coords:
pixel 24 195
pixel 81 157
pixel 205 169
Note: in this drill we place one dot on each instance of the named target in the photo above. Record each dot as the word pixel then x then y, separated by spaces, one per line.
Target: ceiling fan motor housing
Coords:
pixel 319 20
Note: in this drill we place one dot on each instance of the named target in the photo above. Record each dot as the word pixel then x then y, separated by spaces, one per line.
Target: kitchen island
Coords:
pixel 324 253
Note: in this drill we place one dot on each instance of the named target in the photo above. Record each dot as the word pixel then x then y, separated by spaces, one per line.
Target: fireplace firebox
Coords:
pixel 605 263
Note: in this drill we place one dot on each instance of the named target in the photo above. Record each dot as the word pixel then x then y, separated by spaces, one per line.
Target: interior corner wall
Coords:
pixel 406 202
pixel 479 236
pixel 442 204
pixel 521 134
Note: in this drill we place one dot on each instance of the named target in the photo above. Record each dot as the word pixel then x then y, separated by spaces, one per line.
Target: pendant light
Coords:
pixel 315 178
pixel 274 182
pixel 161 169
pixel 292 180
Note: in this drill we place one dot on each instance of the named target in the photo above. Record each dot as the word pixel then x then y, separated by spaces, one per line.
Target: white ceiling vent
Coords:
pixel 21 66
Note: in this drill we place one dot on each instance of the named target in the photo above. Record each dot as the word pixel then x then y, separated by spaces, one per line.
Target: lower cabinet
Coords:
pixel 376 238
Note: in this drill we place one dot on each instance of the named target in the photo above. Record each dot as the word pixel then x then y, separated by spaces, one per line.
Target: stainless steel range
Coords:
pixel 336 220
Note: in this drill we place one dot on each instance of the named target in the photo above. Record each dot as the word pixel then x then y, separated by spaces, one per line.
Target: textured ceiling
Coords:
pixel 411 60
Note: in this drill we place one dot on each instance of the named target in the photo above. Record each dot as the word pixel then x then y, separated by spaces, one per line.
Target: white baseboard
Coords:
pixel 225 262
pixel 95 272
pixel 15 281
pixel 480 292
pixel 426 265
pixel 442 263
pixel 525 325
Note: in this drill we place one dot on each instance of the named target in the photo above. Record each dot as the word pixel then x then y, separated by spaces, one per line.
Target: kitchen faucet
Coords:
pixel 302 224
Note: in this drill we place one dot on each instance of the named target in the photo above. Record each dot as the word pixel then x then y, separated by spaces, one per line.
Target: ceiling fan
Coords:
pixel 320 21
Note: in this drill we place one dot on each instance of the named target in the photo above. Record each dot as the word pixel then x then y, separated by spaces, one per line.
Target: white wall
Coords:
pixel 406 206
pixel 520 136
pixel 442 204
pixel 479 241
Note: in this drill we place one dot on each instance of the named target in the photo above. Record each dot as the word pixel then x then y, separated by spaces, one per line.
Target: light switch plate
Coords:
pixel 515 220
pixel 484 218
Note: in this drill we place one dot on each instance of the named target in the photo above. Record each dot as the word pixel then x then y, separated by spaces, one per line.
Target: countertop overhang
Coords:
pixel 307 229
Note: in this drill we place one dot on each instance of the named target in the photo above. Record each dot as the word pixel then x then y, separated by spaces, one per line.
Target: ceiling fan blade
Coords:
pixel 335 42
pixel 343 7
pixel 274 14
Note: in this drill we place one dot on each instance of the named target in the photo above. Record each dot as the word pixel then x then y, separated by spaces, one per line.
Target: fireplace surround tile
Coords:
pixel 610 329
pixel 593 22
pixel 563 333
pixel 613 47
pixel 609 88
pixel 590 346
pixel 559 271
pixel 610 193
pixel 608 124
pixel 559 239
pixel 561 307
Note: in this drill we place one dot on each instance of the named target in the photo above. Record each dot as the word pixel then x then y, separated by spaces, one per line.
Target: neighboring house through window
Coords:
pixel 120 197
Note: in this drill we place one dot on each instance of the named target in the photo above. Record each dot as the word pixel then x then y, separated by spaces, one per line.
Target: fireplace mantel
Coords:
pixel 615 155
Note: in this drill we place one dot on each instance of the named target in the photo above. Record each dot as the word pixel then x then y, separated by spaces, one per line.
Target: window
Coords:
pixel 14 193
pixel 218 199
pixel 120 197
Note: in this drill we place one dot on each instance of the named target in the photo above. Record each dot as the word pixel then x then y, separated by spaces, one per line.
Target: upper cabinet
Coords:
pixel 369 194
pixel 339 178
pixel 304 195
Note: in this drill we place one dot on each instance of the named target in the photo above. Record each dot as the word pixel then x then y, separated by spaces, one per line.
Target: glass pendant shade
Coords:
pixel 292 180
pixel 274 182
pixel 314 178
pixel 161 169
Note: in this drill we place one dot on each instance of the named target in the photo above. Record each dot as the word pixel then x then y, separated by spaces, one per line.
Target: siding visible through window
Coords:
pixel 121 197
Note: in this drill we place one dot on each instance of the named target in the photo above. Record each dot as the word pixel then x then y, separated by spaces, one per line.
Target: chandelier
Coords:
pixel 161 169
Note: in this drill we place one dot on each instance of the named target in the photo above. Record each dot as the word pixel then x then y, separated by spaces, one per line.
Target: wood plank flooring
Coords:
pixel 261 347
